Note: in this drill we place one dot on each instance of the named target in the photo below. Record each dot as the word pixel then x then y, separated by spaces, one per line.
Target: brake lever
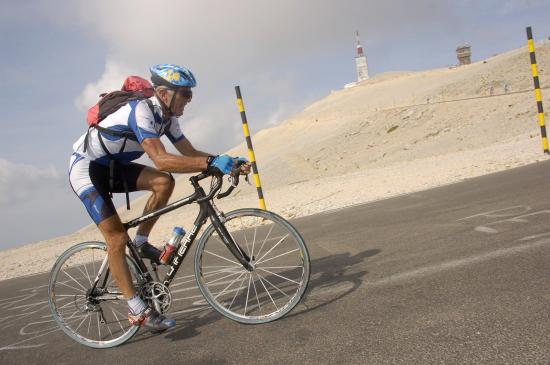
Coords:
pixel 214 190
pixel 234 180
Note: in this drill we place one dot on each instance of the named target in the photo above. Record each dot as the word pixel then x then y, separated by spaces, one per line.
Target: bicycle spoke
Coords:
pixel 88 274
pixel 265 240
pixel 93 260
pixel 89 323
pixel 255 291
pixel 118 320
pixel 273 258
pixel 228 286
pixel 213 273
pixel 272 248
pixel 69 303
pixel 223 258
pixel 70 295
pixel 83 320
pixel 216 266
pixel 254 241
pixel 66 273
pixel 69 286
pixel 237 292
pixel 282 267
pixel 245 240
pixel 273 285
pixel 109 328
pixel 84 274
pixel 267 291
pixel 247 292
pixel 210 273
pixel 218 279
pixel 98 329
pixel 281 276
pixel 69 316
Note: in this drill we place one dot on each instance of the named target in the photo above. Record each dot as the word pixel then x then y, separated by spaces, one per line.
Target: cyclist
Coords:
pixel 93 177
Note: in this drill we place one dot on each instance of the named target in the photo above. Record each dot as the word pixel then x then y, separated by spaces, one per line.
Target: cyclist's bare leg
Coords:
pixel 116 237
pixel 161 186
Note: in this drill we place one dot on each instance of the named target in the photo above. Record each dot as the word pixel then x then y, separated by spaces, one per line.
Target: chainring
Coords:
pixel 157 295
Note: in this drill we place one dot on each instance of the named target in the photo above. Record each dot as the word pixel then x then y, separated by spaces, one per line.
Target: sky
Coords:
pixel 58 56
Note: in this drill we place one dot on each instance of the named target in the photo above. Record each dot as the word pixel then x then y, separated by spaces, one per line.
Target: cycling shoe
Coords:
pixel 148 251
pixel 152 319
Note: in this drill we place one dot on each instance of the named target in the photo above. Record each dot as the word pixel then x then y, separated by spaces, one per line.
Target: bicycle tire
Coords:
pixel 267 285
pixel 75 264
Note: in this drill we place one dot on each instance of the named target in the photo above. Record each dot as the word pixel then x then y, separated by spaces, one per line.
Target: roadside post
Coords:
pixel 538 94
pixel 250 148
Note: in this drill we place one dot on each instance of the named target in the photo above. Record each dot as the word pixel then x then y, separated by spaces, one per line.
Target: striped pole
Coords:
pixel 250 148
pixel 538 94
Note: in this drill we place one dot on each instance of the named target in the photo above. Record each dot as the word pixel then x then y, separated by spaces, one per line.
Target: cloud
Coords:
pixel 112 79
pixel 23 183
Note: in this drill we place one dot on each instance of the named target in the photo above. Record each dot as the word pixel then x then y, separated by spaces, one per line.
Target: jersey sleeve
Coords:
pixel 173 132
pixel 142 121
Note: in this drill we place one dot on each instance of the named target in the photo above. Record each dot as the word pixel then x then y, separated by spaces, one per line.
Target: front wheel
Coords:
pixel 280 261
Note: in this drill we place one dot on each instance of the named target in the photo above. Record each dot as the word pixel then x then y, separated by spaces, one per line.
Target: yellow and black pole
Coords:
pixel 538 94
pixel 250 148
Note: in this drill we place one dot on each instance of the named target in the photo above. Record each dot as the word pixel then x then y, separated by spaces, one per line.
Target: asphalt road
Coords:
pixel 457 274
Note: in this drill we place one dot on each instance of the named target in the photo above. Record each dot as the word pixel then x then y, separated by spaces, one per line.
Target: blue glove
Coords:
pixel 223 163
pixel 240 161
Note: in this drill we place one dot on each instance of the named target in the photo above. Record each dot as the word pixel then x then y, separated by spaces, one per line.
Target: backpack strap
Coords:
pixel 86 139
pixel 110 132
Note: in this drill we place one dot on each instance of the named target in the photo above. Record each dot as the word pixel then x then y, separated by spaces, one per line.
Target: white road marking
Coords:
pixel 515 210
pixel 434 269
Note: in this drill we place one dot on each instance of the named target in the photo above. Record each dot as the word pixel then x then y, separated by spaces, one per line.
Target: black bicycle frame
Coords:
pixel 206 211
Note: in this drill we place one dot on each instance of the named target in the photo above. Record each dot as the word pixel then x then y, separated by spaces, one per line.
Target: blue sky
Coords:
pixel 58 55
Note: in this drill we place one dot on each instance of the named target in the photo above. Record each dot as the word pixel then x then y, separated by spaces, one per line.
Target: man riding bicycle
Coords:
pixel 94 175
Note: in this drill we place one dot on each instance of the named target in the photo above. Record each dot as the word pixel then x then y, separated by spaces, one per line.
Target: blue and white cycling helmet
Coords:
pixel 172 76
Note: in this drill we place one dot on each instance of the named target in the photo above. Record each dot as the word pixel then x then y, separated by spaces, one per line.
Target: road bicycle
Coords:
pixel 251 266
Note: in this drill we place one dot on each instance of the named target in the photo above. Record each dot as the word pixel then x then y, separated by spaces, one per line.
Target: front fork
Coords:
pixel 228 240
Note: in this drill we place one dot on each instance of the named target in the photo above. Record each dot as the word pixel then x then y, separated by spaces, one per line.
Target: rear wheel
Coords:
pixel 281 267
pixel 95 318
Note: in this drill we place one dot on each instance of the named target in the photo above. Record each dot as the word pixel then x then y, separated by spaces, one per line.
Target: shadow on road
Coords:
pixel 332 278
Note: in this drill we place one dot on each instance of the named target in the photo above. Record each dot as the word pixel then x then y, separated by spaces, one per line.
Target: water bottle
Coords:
pixel 172 245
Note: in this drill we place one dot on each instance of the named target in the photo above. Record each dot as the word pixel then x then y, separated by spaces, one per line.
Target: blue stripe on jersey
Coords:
pixel 141 134
pixel 78 158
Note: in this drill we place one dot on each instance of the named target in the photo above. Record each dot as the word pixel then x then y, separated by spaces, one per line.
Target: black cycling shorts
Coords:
pixel 90 182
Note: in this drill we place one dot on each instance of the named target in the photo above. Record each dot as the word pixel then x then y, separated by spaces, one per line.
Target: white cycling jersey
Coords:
pixel 136 117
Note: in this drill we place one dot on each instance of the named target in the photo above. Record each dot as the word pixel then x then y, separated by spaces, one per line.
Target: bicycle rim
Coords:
pixel 98 319
pixel 281 273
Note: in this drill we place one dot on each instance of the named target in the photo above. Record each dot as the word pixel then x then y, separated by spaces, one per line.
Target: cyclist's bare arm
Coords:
pixel 169 162
pixel 186 148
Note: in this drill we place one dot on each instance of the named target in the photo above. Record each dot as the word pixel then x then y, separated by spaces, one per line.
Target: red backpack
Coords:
pixel 134 88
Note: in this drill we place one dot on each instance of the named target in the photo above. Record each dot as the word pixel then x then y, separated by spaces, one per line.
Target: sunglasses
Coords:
pixel 186 93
